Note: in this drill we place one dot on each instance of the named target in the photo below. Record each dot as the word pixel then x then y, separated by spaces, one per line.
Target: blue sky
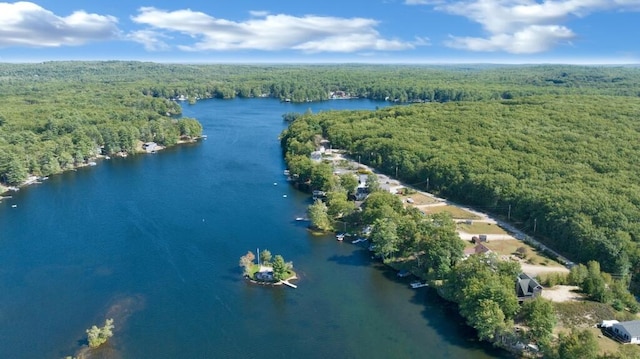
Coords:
pixel 327 31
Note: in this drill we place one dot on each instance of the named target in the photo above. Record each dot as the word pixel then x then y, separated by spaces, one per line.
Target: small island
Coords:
pixel 269 270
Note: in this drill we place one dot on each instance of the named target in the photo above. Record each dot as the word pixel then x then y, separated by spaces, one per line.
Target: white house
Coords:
pixel 627 332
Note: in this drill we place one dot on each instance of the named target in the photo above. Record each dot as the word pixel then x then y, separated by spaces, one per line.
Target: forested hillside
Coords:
pixel 55 117
pixel 565 167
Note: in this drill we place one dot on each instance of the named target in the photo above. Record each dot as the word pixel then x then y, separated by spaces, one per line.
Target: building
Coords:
pixel 626 332
pixel 527 287
pixel 477 249
pixel 150 146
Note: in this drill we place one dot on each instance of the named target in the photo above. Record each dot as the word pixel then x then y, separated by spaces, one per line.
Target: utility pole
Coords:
pixel 509 213
pixel 396 172
pixel 427 184
pixel 535 224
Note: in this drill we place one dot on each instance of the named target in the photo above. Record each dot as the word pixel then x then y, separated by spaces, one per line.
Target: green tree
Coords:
pixel 349 182
pixel 279 268
pixel 338 205
pixel 440 247
pixel 384 236
pixel 318 215
pixel 12 171
pixel 189 127
pixel 265 257
pixel 98 336
pixel 246 262
pixel 577 274
pixel 487 319
pixel 540 317
pixel 373 185
pixel 322 177
pixel 577 344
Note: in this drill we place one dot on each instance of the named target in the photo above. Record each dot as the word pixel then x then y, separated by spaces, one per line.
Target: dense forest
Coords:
pixel 554 146
pixel 564 167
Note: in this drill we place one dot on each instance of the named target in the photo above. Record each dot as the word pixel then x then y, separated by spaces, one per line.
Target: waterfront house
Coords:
pixel 527 287
pixel 626 332
pixel 150 146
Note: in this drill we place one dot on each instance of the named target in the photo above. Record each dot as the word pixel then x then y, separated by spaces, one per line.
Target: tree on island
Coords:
pixel 270 271
pixel 265 257
pixel 246 262
pixel 281 268
pixel 98 336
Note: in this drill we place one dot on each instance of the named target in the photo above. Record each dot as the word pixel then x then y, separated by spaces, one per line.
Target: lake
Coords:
pixel 154 242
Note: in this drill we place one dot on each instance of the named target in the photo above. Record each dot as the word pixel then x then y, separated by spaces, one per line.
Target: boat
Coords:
pixel 403 273
pixel 340 236
pixel 92 163
pixel 417 284
pixel 358 240
pixel 300 219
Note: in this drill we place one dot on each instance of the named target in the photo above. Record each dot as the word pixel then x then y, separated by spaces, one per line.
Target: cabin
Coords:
pixel 527 287
pixel 150 147
pixel 477 249
pixel 626 332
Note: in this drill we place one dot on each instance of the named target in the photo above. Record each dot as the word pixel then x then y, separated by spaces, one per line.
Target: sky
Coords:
pixel 323 31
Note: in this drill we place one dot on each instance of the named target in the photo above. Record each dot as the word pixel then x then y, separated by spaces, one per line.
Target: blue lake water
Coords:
pixel 154 241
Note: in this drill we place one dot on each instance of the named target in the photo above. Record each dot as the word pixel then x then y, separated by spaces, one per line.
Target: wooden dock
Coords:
pixel 286 282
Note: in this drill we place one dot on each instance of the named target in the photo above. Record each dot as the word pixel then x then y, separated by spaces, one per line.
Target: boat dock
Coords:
pixel 286 282
pixel 416 285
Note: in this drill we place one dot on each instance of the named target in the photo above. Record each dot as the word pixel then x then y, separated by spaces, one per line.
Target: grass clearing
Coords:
pixel 481 228
pixel 509 246
pixel 456 212
pixel 605 344
pixel 419 199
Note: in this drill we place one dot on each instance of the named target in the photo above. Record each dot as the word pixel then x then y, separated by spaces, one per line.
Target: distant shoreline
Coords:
pixel 4 189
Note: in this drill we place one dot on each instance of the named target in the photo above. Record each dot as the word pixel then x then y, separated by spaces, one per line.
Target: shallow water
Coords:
pixel 154 242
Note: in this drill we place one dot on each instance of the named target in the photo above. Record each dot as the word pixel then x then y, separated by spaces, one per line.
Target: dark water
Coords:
pixel 154 242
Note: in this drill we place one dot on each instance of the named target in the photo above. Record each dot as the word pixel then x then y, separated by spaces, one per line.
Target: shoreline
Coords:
pixel 32 179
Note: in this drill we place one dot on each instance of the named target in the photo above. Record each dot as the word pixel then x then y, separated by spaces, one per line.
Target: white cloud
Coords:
pixel 530 40
pixel 269 32
pixel 152 40
pixel 258 13
pixel 28 24
pixel 523 26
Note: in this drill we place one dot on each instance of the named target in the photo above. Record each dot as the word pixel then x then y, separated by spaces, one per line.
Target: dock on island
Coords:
pixel 286 282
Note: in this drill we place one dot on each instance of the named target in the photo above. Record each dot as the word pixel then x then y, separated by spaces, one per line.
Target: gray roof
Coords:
pixel 632 327
pixel 526 285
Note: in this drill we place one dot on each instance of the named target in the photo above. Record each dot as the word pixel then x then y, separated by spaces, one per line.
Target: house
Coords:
pixel 150 146
pixel 527 287
pixel 361 193
pixel 477 249
pixel 626 332
pixel 317 194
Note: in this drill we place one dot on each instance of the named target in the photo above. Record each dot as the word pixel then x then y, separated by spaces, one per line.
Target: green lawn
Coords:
pixel 481 228
pixel 456 212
